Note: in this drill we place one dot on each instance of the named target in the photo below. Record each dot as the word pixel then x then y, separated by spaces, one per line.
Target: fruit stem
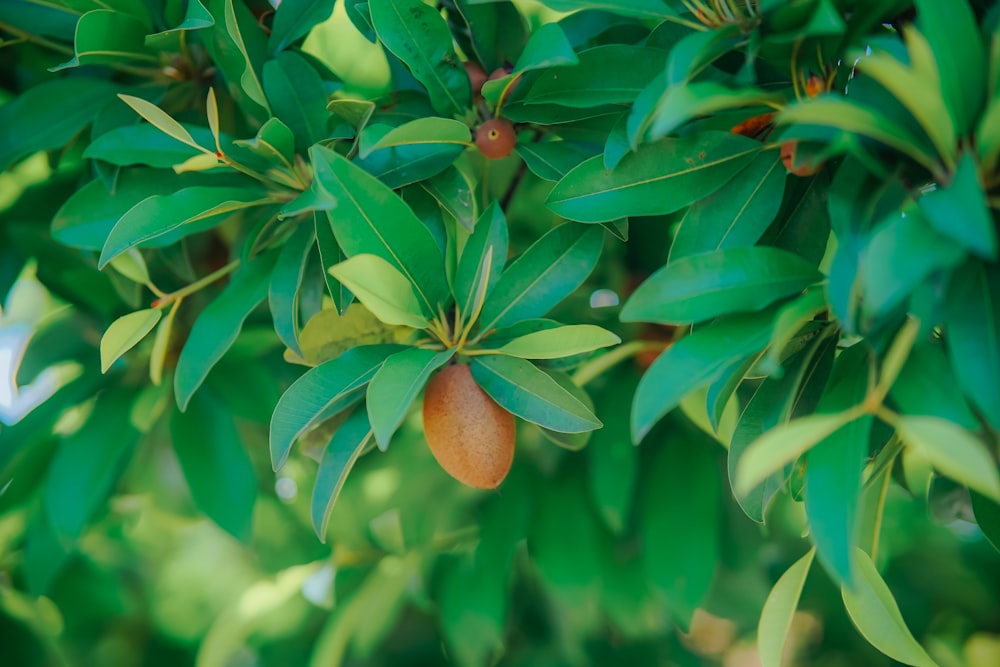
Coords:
pixel 197 285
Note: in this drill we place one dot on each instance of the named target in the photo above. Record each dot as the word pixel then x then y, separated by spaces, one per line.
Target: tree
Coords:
pixel 686 280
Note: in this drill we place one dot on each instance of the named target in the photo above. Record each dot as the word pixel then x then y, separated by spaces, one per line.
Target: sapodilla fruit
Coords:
pixel 477 77
pixel 788 159
pixel 496 138
pixel 469 434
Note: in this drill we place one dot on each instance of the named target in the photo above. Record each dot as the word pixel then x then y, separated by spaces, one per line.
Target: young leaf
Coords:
pixel 131 265
pixel 876 615
pixel 954 451
pixel 705 286
pixel 693 362
pixel 418 35
pixel 779 608
pixel 544 275
pixel 396 384
pixel 522 389
pixel 219 324
pixel 161 120
pixel 286 281
pixel 560 342
pixel 657 179
pixel 321 393
pixel 370 218
pixel 215 464
pixel 125 332
pixel 382 289
pixel 161 344
pixel 346 445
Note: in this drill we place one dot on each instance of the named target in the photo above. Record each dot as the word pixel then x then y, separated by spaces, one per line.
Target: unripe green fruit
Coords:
pixel 469 434
pixel 496 138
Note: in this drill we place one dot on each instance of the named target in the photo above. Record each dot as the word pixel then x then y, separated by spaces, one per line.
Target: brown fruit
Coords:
pixel 477 77
pixel 469 434
pixel 496 138
pixel 788 159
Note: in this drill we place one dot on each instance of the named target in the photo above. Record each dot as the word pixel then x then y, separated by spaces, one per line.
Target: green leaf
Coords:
pixel 455 192
pixel 286 281
pixel 87 464
pixel 215 464
pixel 368 218
pixel 497 32
pixel 548 271
pixel 489 238
pixel 702 287
pixel 559 342
pixel 693 362
pixel 955 42
pixel 330 254
pixel 124 333
pixel 779 608
pixel 395 386
pixel 321 393
pixel 608 74
pixel 146 144
pixel 418 35
pixel 737 214
pixel 420 131
pixel 925 387
pixel 161 345
pixel 249 79
pixel 196 17
pixel 398 166
pixel 643 9
pixel 988 517
pixel 954 451
pixel 680 524
pixel 39 118
pixel 547 47
pixel 792 317
pixel 522 389
pixel 657 179
pixel 382 289
pixel 661 108
pixel 782 445
pixel 161 120
pixel 104 36
pixel 551 160
pixel 218 326
pixel 172 216
pixel 876 615
pixel 613 462
pixel 973 325
pixel 959 211
pixel 346 445
pixel 297 96
pixel 132 266
pixel 294 19
pixel 273 141
pixel 573 442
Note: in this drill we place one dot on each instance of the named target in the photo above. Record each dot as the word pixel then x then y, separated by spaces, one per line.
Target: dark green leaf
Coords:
pixel 547 47
pixel 544 275
pixel 146 144
pixel 522 389
pixel 104 36
pixel 330 254
pixel 657 179
pixel 418 35
pixel 219 324
pixel 613 462
pixel 925 387
pixel 645 9
pixel 395 386
pixel 612 74
pixel 693 362
pixel 286 281
pixel 453 190
pixel 705 286
pixel 490 236
pixel 294 19
pixel 215 464
pixel 297 96
pixel 988 517
pixel 959 211
pixel 345 447
pixel 321 393
pixel 551 160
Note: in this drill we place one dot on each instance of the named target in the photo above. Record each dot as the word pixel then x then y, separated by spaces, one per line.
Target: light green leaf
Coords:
pixel 779 608
pixel 218 326
pixel 782 445
pixel 161 344
pixel 895 357
pixel 321 393
pixel 346 445
pixel 954 451
pixel 705 286
pixel 420 131
pixel 876 615
pixel 522 389
pixel 395 386
pixel 125 333
pixel 548 271
pixel 382 289
pixel 560 342
pixel 657 179
pixel 131 265
pixel 161 120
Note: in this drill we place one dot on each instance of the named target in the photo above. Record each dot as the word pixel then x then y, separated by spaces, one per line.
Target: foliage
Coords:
pixel 232 233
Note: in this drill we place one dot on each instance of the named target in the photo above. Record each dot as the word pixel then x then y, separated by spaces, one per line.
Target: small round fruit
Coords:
pixel 469 434
pixel 496 138
pixel 788 159
pixel 477 77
